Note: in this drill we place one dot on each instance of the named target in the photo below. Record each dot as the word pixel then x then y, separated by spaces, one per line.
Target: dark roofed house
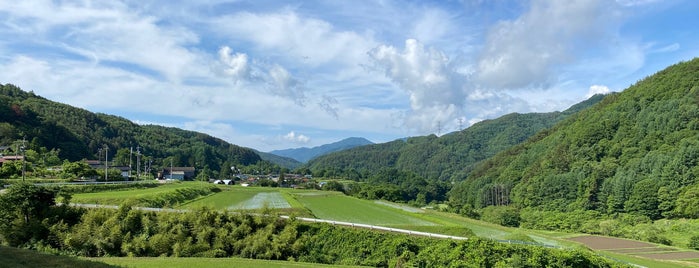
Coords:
pixel 177 173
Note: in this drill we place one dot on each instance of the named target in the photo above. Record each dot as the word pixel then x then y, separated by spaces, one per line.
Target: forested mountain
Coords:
pixel 305 154
pixel 634 152
pixel 446 157
pixel 79 134
pixel 281 161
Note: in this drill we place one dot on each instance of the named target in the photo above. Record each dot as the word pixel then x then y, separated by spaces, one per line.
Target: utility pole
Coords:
pixel 106 163
pixel 130 161
pixel 138 162
pixel 24 164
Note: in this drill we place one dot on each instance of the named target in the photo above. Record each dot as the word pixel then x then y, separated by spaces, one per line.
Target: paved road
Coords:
pixel 341 223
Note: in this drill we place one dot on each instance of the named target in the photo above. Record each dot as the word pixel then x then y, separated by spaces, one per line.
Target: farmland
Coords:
pixel 338 207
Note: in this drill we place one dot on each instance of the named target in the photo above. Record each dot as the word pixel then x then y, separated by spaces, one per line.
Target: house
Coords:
pixel 11 158
pixel 225 182
pixel 177 173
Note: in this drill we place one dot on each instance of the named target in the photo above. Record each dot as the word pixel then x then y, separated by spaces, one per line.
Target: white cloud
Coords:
pixel 296 138
pixel 434 89
pixel 597 89
pixel 235 66
pixel 288 35
pixel 525 52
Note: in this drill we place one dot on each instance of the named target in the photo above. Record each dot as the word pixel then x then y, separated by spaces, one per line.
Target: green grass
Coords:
pixel 335 206
pixel 20 258
pixel 204 262
pixel 118 197
pixel 224 199
pixel 643 261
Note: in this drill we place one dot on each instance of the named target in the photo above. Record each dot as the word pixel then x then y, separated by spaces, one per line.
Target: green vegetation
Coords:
pixel 152 262
pixel 24 258
pixel 208 233
pixel 335 206
pixel 440 158
pixel 633 153
pixel 167 195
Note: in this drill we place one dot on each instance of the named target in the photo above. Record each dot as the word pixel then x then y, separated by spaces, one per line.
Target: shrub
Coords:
pixel 694 242
pixel 503 215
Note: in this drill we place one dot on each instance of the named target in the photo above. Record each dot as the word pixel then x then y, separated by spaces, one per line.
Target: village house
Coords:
pixel 177 173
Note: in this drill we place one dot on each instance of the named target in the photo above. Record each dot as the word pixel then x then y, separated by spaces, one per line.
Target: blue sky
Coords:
pixel 284 74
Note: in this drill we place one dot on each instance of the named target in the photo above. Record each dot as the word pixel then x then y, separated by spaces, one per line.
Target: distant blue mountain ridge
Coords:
pixel 305 154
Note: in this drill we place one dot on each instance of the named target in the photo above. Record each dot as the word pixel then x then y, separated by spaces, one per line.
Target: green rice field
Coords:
pixel 119 196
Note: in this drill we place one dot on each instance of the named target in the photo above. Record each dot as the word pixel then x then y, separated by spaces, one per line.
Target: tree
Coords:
pixel 78 169
pixel 644 199
pixel 23 209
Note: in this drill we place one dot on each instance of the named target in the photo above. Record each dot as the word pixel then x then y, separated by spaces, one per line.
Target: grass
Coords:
pixel 225 199
pixel 639 261
pixel 204 262
pixel 118 197
pixel 20 258
pixel 335 206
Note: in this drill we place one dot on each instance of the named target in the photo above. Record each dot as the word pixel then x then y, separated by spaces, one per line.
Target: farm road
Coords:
pixel 341 223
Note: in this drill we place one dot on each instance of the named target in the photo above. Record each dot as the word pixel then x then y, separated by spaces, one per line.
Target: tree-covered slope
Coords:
pixel 281 161
pixel 80 134
pixel 446 157
pixel 304 154
pixel 634 152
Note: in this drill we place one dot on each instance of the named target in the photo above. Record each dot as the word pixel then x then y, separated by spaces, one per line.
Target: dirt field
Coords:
pixel 636 248
pixel 607 243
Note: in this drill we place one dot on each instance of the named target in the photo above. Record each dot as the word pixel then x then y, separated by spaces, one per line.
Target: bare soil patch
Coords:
pixel 607 243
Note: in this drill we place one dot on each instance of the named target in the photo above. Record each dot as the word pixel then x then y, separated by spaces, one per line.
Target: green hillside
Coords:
pixel 78 134
pixel 634 152
pixel 444 158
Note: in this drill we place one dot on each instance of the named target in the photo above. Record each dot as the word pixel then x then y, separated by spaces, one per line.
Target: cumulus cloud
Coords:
pixel 435 89
pixel 296 138
pixel 283 84
pixel 523 52
pixel 235 66
pixel 277 80
pixel 597 89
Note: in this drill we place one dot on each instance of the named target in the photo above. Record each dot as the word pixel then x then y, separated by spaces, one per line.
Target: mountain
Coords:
pixel 444 158
pixel 80 134
pixel 282 161
pixel 304 154
pixel 634 152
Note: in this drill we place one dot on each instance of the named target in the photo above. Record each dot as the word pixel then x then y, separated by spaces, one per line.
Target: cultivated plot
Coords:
pixel 260 200
pixel 338 207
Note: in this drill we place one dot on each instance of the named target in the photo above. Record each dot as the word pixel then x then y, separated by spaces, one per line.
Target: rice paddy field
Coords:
pixel 116 197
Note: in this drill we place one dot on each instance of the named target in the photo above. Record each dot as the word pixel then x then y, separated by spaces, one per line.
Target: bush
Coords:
pixel 503 215
pixel 694 242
